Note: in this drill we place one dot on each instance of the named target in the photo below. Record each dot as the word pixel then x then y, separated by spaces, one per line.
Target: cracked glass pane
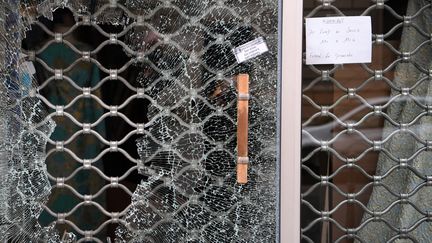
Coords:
pixel 24 130
pixel 189 150
pixel 188 72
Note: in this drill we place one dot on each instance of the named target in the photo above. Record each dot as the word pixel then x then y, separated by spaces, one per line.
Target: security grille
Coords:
pixel 179 65
pixel 366 131
pixel 80 179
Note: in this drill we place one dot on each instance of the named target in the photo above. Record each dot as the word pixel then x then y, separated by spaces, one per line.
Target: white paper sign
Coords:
pixel 337 40
pixel 250 50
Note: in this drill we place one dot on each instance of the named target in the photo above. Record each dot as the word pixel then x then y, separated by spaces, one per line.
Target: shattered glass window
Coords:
pixel 133 120
pixel 24 129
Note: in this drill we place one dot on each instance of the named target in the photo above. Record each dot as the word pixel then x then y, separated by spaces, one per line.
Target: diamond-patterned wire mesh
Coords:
pixel 366 131
pixel 181 53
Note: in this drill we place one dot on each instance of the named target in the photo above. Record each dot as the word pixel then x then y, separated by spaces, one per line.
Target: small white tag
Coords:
pixel 338 40
pixel 250 50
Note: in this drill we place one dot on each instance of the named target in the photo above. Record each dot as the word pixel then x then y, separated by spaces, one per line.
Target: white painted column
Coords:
pixel 292 27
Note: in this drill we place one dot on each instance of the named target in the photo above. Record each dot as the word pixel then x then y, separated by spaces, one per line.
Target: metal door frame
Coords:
pixel 290 119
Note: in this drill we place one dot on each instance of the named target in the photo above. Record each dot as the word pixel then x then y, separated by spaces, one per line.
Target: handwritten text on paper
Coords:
pixel 337 40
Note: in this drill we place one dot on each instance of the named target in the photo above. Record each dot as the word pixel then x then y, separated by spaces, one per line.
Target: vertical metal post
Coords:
pixel 290 123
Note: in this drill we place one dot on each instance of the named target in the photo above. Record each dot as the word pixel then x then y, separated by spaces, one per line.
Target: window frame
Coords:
pixel 290 118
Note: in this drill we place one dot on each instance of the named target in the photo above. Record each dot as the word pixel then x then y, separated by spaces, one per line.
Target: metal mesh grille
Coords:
pixel 85 130
pixel 183 51
pixel 366 141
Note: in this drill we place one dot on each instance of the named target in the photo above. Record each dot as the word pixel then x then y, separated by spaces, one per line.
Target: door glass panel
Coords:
pixel 366 131
pixel 166 120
